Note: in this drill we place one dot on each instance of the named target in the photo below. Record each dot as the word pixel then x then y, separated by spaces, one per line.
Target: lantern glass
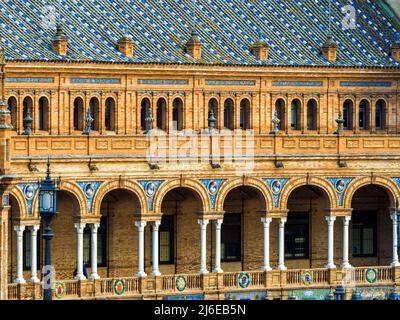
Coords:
pixel 47 200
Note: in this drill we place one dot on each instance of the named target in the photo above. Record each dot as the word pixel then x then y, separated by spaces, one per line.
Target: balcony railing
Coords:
pixel 133 287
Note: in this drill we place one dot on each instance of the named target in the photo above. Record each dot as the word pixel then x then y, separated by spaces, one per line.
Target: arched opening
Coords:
pixel 241 248
pixel 229 114
pixel 78 114
pixel 295 115
pixel 245 114
pixel 348 115
pixel 144 112
pixel 312 115
pixel 371 227
pixel 177 114
pixel 213 106
pixel 117 239
pixel 306 228
pixel 13 108
pixel 179 232
pixel 161 114
pixel 94 106
pixel 281 113
pixel 380 114
pixel 44 113
pixel 27 105
pixel 364 115
pixel 110 115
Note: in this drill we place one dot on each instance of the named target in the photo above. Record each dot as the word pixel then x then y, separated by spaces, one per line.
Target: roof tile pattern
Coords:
pixel 295 31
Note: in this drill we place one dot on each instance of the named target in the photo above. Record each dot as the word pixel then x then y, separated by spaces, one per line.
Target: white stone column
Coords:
pixel 93 228
pixel 331 221
pixel 346 221
pixel 20 256
pixel 281 264
pixel 79 251
pixel 155 270
pixel 395 261
pixel 203 245
pixel 218 225
pixel 34 278
pixel 140 225
pixel 266 222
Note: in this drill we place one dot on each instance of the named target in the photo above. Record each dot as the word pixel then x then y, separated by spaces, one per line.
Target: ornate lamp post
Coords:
pixel 47 209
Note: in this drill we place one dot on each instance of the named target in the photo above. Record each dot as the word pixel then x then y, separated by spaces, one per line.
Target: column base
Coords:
pixel 282 267
pixel 80 277
pixel 141 274
pixel 218 270
pixel 155 273
pixel 94 276
pixel 266 268
pixel 20 281
pixel 34 280
pixel 330 266
pixel 395 264
pixel 204 271
pixel 346 265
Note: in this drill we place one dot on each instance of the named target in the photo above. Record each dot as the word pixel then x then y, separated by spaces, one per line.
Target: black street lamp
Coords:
pixel 47 210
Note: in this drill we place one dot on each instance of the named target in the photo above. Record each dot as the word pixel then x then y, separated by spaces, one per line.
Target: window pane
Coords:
pixel 27 249
pixel 296 235
pixel 164 246
pixel 231 237
pixel 356 241
pixel 368 241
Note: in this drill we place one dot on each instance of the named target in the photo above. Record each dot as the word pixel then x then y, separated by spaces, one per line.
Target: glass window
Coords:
pixel 231 235
pixel 296 235
pixel 27 249
pixel 101 244
pixel 364 228
pixel 166 236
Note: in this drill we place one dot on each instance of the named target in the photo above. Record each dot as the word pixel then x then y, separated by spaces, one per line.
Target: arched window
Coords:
pixel 27 104
pixel 229 114
pixel 363 115
pixel 144 109
pixel 312 115
pixel 95 113
pixel 213 106
pixel 280 108
pixel 13 108
pixel 245 114
pixel 380 114
pixel 43 114
pixel 295 115
pixel 161 114
pixel 110 115
pixel 177 114
pixel 78 114
pixel 348 115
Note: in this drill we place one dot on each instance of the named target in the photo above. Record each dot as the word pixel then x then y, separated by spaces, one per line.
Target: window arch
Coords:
pixel 229 114
pixel 177 114
pixel 43 115
pixel 27 104
pixel 295 115
pixel 312 117
pixel 144 110
pixel 78 114
pixel 13 108
pixel 245 114
pixel 95 113
pixel 110 115
pixel 280 109
pixel 161 114
pixel 363 115
pixel 213 106
pixel 348 115
pixel 380 114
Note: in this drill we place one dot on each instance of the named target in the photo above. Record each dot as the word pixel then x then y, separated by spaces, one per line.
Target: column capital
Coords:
pixel 20 228
pixel 394 217
pixel 218 223
pixel 140 224
pixel 156 224
pixel 282 221
pixel 203 222
pixel 79 227
pixel 94 226
pixel 266 221
pixel 34 228
pixel 330 219
pixel 346 219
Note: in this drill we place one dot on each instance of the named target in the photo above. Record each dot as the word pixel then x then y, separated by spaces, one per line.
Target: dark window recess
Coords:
pixel 27 250
pixel 364 230
pixel 166 242
pixel 297 236
pixel 231 238
pixel 101 244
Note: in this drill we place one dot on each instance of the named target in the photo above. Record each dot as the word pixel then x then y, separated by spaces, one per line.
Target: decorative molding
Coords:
pixel 340 185
pixel 96 80
pixel 31 79
pixel 230 82
pixel 297 83
pixel 213 186
pixel 89 188
pixel 276 187
pixel 150 187
pixel 29 191
pixel 163 81
pixel 364 84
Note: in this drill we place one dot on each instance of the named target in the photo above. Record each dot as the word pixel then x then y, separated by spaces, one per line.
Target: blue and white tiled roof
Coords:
pixel 294 29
